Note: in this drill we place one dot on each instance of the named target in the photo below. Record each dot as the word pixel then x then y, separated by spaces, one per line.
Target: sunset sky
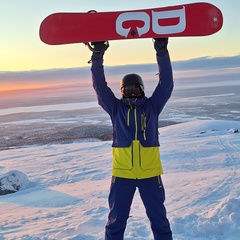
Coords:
pixel 22 50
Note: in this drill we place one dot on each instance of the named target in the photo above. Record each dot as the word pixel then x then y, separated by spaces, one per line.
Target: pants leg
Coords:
pixel 120 200
pixel 153 196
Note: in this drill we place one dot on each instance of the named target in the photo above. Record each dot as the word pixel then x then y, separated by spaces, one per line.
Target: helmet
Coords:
pixel 132 79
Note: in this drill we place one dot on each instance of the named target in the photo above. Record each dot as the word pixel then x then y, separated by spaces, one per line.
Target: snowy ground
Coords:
pixel 61 141
pixel 69 184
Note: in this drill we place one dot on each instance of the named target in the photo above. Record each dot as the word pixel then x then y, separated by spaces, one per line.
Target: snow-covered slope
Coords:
pixel 66 197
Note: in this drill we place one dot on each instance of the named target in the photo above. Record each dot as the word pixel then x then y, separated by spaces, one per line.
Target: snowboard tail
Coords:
pixel 196 19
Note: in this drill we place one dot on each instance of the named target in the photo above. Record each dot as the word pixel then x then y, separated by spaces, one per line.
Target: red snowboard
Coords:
pixel 196 19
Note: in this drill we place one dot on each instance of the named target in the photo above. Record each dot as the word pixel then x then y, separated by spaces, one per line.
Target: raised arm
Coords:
pixel 105 95
pixel 164 88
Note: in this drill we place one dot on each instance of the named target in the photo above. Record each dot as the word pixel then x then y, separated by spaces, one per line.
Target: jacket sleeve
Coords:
pixel 105 96
pixel 164 88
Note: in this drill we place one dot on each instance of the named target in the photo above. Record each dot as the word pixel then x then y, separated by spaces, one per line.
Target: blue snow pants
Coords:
pixel 120 199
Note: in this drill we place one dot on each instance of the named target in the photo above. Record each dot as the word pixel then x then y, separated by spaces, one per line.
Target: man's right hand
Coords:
pixel 99 49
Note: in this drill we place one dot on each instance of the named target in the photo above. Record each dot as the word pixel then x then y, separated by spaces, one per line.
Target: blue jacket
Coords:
pixel 135 123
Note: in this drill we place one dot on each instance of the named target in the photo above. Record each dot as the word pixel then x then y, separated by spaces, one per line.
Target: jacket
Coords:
pixel 135 147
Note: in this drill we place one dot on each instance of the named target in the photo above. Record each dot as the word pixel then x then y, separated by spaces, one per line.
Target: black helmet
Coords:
pixel 130 79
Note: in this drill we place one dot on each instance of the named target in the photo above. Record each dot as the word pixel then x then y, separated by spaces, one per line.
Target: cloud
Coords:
pixel 43 78
pixel 54 74
pixel 207 63
pixel 182 69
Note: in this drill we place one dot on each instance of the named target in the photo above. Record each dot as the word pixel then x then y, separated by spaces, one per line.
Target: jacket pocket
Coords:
pixel 149 158
pixel 122 158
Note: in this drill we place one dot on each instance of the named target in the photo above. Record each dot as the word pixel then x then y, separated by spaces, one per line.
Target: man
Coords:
pixel 136 157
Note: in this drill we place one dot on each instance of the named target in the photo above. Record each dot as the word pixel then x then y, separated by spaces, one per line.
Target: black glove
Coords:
pixel 99 49
pixel 160 45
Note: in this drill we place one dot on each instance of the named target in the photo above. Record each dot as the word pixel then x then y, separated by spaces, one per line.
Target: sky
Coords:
pixel 22 50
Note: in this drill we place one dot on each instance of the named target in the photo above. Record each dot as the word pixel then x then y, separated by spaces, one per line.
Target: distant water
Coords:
pixel 49 108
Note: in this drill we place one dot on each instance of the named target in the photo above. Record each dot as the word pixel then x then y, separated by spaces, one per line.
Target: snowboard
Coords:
pixel 195 19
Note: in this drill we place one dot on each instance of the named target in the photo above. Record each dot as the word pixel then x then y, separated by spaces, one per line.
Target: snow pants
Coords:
pixel 120 199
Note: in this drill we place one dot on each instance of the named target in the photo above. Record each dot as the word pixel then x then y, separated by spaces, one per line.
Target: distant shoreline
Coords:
pixel 32 135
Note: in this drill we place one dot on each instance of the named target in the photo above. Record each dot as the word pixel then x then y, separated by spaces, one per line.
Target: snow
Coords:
pixel 65 190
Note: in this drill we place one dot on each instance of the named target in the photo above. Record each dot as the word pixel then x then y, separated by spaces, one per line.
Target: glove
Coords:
pixel 99 49
pixel 160 45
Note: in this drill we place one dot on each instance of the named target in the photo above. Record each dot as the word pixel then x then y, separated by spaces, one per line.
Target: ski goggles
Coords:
pixel 132 90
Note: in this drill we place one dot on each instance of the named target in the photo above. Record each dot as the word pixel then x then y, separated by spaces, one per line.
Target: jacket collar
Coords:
pixel 131 102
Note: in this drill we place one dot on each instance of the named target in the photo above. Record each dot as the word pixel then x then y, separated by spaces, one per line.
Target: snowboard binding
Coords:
pixel 91 48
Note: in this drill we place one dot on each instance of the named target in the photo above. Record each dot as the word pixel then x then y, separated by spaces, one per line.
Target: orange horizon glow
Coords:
pixel 32 86
pixel 25 87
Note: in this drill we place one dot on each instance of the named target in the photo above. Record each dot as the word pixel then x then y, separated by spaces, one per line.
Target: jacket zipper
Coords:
pixel 143 120
pixel 144 125
pixel 128 113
